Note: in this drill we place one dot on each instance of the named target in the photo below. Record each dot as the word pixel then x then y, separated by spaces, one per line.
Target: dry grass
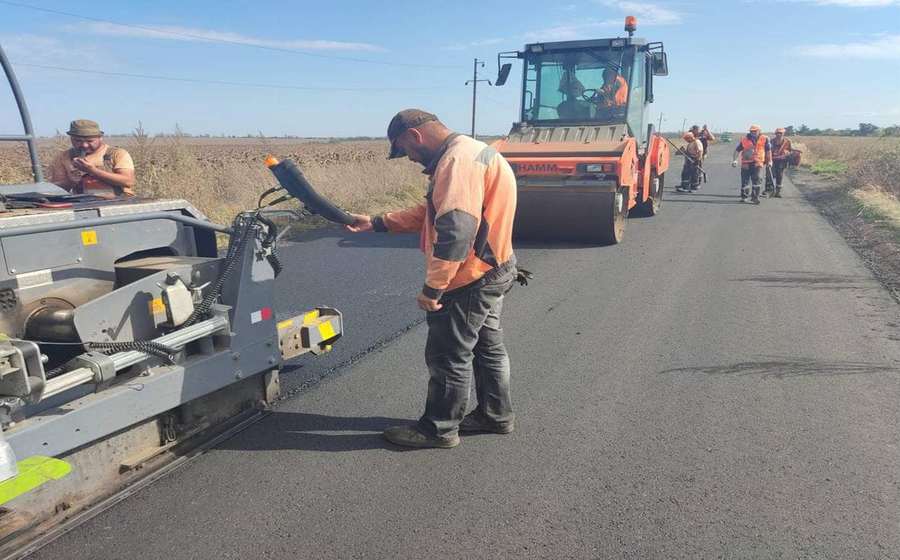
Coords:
pixel 222 176
pixel 870 169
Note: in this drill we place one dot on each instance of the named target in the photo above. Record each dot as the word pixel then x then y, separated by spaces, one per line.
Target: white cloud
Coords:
pixel 854 3
pixel 886 47
pixel 176 33
pixel 474 44
pixel 50 51
pixel 646 14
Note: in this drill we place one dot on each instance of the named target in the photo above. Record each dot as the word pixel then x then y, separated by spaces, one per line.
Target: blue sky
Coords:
pixel 826 63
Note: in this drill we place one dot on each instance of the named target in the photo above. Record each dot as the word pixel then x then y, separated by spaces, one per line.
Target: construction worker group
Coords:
pixel 759 158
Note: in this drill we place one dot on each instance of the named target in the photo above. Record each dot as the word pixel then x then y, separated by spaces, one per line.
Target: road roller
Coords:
pixel 583 152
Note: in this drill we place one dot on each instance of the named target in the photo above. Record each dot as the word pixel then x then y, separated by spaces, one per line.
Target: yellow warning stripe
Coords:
pixel 33 472
pixel 326 331
pixel 285 324
pixel 310 317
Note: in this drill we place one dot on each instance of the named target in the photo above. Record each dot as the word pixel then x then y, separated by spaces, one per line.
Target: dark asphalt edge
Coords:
pixel 842 211
pixel 337 370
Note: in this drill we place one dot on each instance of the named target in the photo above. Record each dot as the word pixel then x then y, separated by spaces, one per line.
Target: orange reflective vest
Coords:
pixel 781 151
pixel 615 94
pixel 751 153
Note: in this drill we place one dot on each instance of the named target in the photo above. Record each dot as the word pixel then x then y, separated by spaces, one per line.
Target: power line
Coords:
pixel 219 82
pixel 220 40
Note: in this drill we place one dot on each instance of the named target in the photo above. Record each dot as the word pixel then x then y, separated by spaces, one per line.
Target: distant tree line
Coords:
pixel 864 129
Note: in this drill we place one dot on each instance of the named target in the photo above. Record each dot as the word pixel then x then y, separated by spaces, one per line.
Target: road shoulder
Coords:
pixel 875 239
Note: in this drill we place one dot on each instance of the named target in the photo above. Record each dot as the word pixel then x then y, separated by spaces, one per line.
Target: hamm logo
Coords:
pixel 536 168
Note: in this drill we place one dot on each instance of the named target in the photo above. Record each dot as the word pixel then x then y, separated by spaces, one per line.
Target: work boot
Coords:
pixel 777 192
pixel 410 436
pixel 475 422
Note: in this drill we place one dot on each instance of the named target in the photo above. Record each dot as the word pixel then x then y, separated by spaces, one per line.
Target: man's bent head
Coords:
pixel 416 134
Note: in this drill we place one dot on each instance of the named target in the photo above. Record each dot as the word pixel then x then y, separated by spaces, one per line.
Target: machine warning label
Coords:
pixel 34 279
pixel 157 307
pixel 88 237
pixel 263 314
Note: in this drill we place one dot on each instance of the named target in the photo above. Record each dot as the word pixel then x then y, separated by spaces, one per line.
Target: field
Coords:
pixel 222 175
pixel 869 168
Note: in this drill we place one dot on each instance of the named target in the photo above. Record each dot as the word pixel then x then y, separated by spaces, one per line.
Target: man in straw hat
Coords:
pixel 91 166
pixel 465 227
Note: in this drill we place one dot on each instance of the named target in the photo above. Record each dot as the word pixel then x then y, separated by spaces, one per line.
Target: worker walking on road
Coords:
pixel 781 156
pixel 693 156
pixel 465 224
pixel 706 138
pixel 754 153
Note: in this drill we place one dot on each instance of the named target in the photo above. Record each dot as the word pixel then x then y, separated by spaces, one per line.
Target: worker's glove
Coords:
pixel 523 276
pixel 734 163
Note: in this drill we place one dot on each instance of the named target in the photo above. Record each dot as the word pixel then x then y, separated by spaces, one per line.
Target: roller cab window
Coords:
pixel 585 86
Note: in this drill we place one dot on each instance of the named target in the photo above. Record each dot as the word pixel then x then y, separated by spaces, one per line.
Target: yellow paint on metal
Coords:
pixel 326 331
pixel 310 317
pixel 157 306
pixel 285 324
pixel 89 237
pixel 33 472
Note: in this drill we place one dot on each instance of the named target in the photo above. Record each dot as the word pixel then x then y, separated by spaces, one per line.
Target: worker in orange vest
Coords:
pixel 614 92
pixel 781 156
pixel 753 152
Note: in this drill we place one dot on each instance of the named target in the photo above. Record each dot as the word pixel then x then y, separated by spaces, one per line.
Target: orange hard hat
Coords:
pixel 779 130
pixel 755 128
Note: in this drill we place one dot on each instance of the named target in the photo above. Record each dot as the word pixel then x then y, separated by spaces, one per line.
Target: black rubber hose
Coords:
pixel 293 181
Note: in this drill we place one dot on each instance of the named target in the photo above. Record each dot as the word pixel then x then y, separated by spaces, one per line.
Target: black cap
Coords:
pixel 403 121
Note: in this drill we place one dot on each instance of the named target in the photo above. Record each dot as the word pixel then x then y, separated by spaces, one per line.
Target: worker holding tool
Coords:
pixel 465 224
pixel 753 152
pixel 693 156
pixel 781 156
pixel 92 166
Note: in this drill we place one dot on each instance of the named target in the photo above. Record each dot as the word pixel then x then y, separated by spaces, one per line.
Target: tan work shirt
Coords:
pixel 64 173
pixel 694 149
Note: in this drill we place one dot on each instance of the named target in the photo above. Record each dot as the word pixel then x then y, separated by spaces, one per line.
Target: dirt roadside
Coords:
pixel 877 242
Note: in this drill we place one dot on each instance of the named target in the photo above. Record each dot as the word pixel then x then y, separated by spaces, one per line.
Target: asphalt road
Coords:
pixel 724 384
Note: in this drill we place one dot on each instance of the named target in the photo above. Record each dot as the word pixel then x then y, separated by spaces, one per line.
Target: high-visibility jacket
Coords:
pixel 615 94
pixel 466 221
pixel 781 151
pixel 754 153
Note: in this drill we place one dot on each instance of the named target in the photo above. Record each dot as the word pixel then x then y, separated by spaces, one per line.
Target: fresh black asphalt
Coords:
pixel 723 384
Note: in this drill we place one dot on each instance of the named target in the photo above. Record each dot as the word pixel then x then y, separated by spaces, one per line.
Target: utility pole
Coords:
pixel 659 128
pixel 683 124
pixel 474 81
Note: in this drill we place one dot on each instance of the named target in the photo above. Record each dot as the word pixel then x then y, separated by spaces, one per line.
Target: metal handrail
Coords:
pixel 28 137
pixel 112 220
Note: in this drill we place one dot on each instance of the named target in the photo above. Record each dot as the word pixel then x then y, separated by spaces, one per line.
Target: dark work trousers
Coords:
pixel 465 341
pixel 778 167
pixel 750 175
pixel 690 174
